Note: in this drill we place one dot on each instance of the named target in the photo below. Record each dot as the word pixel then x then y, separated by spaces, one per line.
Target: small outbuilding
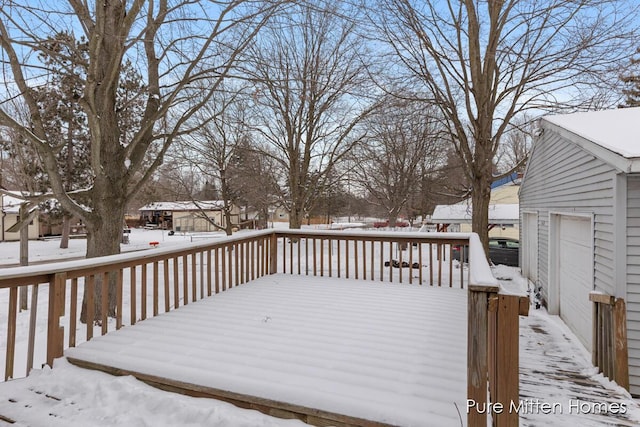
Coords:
pixel 580 229
pixel 187 216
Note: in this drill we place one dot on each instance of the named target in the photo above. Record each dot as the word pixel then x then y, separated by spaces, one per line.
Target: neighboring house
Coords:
pixel 580 219
pixel 187 216
pixel 10 216
pixel 503 211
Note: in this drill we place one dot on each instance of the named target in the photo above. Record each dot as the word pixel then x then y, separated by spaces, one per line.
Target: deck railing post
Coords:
pixel 477 354
pixel 621 363
pixel 11 332
pixel 504 387
pixel 273 254
pixel 55 332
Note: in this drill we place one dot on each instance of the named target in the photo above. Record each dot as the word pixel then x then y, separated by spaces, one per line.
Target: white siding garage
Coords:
pixel 573 272
pixel 581 187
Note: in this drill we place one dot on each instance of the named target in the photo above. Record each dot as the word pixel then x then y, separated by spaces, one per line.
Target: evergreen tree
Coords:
pixel 632 83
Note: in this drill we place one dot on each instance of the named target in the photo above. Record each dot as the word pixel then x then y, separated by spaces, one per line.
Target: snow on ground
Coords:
pixel 49 250
pixel 559 386
pixel 556 371
pixel 70 396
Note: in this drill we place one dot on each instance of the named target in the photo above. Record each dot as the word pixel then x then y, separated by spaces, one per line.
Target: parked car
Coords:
pixel 502 250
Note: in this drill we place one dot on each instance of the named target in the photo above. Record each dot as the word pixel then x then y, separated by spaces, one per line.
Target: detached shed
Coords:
pixel 580 231
pixel 187 216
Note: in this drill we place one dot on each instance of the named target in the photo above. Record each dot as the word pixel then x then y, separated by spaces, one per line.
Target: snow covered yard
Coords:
pixel 554 371
pixel 49 250
pixel 68 396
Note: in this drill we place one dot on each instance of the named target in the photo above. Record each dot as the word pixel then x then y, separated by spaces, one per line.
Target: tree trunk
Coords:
pixel 394 212
pixel 481 198
pixel 228 226
pixel 104 234
pixel 66 229
pixel 295 217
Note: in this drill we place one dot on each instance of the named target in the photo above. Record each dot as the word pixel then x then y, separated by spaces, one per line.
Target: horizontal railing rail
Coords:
pixel 151 282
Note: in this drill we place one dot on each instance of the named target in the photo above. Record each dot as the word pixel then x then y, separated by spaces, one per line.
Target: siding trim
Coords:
pixel 524 261
pixel 620 198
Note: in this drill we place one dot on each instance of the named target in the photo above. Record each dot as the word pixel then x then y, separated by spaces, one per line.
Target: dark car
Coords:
pixel 502 250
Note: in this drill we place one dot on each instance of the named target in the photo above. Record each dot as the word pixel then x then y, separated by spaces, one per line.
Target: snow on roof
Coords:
pixel 615 130
pixel 184 206
pixel 11 204
pixel 461 213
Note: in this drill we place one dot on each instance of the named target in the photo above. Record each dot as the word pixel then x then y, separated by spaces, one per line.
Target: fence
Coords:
pixel 137 286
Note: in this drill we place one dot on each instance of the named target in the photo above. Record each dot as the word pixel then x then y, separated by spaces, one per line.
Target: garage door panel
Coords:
pixel 575 276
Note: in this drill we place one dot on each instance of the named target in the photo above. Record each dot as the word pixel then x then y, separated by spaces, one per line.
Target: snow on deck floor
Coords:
pixel 390 353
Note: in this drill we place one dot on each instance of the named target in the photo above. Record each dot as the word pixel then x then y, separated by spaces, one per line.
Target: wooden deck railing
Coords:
pixel 395 257
pixel 160 280
pixel 157 281
pixel 610 353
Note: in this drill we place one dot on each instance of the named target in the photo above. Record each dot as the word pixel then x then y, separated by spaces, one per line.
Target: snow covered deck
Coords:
pixel 321 349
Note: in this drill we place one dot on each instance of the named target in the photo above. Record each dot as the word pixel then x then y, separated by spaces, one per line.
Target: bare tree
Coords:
pixel 215 144
pixel 401 148
pixel 486 62
pixel 255 180
pixel 310 72
pixel 173 44
pixel 176 180
pixel 515 145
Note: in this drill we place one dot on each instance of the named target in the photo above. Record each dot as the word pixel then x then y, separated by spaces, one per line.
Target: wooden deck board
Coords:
pixel 326 351
pixel 267 406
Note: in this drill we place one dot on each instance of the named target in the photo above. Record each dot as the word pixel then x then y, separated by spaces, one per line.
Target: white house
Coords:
pixel 503 211
pixel 580 220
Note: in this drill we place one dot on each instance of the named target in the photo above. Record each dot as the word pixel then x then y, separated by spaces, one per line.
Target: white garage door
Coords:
pixel 575 275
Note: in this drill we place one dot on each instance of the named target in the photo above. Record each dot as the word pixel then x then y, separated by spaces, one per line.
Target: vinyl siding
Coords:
pixel 633 280
pixel 562 177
